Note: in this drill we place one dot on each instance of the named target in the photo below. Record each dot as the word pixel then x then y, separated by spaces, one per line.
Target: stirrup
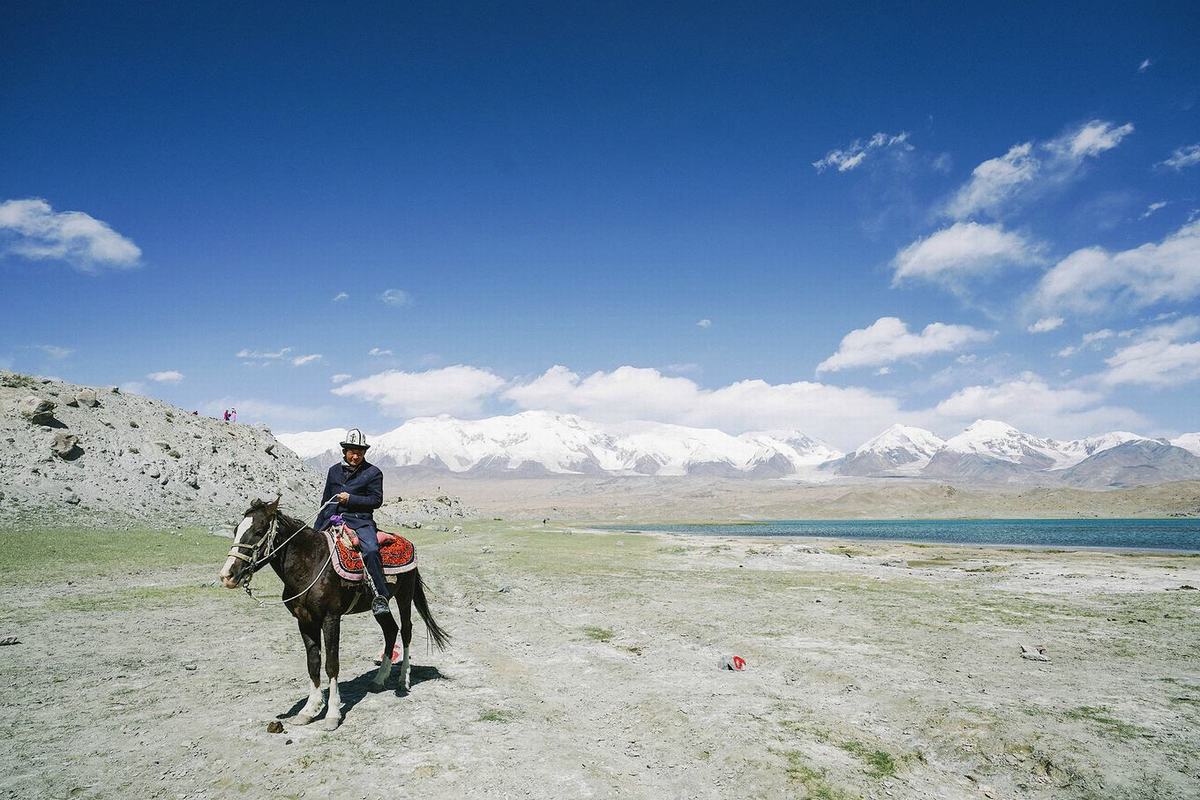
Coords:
pixel 380 606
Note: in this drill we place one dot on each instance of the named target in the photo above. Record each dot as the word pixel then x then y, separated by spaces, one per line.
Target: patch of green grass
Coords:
pixel 812 779
pixel 1100 716
pixel 880 763
pixel 598 634
pixel 57 554
pixel 497 715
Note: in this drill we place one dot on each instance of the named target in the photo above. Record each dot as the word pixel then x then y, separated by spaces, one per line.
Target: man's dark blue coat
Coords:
pixel 363 483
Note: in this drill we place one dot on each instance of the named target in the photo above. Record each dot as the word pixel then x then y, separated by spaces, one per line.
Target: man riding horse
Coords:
pixel 358 487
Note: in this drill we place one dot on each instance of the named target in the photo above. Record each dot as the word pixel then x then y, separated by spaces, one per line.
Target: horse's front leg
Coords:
pixel 312 645
pixel 332 628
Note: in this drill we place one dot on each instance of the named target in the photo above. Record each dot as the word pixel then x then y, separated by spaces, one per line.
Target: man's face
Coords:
pixel 353 456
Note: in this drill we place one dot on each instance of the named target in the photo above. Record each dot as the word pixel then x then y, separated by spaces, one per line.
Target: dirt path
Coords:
pixel 585 665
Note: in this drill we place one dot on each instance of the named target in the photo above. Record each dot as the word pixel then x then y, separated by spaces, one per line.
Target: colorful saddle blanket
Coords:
pixel 398 553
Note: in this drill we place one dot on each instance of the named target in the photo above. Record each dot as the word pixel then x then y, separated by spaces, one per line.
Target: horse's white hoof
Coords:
pixel 301 719
pixel 331 723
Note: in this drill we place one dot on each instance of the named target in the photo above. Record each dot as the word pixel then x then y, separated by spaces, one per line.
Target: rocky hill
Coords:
pixel 73 454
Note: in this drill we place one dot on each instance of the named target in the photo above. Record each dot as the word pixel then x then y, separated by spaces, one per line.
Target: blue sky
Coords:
pixel 745 217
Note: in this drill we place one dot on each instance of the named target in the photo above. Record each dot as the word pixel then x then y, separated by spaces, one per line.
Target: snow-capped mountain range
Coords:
pixel 545 443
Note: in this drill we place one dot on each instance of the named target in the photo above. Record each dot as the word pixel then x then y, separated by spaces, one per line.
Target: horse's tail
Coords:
pixel 439 636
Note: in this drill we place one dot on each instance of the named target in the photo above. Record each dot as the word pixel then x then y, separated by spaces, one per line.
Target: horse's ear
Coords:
pixel 256 504
pixel 273 506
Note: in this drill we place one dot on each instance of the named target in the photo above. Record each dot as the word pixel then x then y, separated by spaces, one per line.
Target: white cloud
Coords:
pixel 1150 209
pixel 997 182
pixel 857 152
pixel 166 376
pixel 1090 140
pixel 1094 279
pixel 1029 403
pixel 459 390
pixel 300 361
pixel 884 371
pixel 36 231
pixel 1145 65
pixel 1097 336
pixel 1158 357
pixel 1045 325
pixel 53 350
pixel 396 297
pixel 1067 351
pixel 965 250
pixel 844 416
pixel 704 323
pixel 888 340
pixel 340 296
pixel 262 354
pixel 340 377
pixel 1188 156
pixel 378 351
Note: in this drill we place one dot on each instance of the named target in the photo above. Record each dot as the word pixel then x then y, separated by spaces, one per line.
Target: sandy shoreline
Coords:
pixel 585 665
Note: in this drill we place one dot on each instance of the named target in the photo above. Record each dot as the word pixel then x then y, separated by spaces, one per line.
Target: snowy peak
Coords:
pixel 1189 442
pixel 541 442
pixel 999 440
pixel 899 450
pixel 548 443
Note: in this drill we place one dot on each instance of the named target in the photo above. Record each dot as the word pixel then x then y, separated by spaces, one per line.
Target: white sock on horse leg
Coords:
pixel 404 670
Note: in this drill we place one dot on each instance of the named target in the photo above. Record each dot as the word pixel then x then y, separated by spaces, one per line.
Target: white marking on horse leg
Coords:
pixel 333 717
pixel 316 702
pixel 404 671
pixel 381 676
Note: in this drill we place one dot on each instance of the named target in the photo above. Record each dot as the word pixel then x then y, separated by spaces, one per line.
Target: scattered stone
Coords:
pixel 164 480
pixel 190 667
pixel 87 397
pixel 275 726
pixel 154 472
pixel 193 482
pixel 270 449
pixel 163 444
pixel 134 450
pixel 1034 653
pixel 37 410
pixel 133 424
pixel 73 402
pixel 456 529
pixel 7 640
pixel 174 454
pixel 72 498
pixel 66 446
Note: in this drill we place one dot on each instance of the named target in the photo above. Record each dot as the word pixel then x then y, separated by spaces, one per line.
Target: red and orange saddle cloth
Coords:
pixel 398 553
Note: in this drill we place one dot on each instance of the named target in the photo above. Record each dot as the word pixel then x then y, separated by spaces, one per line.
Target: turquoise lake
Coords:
pixel 1154 534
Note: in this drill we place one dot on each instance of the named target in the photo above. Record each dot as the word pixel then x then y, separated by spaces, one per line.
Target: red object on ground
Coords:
pixel 739 663
pixel 397 655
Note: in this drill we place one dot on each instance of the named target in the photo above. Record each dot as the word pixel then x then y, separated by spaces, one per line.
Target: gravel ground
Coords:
pixel 585 665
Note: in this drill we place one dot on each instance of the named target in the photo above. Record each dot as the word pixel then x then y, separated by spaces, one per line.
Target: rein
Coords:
pixel 257 561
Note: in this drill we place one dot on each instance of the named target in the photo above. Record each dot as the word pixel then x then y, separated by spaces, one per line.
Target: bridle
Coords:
pixel 257 559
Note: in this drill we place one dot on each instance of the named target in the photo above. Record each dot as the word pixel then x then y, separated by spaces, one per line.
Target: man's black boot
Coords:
pixel 380 607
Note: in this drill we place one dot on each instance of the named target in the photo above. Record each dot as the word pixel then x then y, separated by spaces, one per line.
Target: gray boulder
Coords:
pixel 66 446
pixel 86 398
pixel 37 410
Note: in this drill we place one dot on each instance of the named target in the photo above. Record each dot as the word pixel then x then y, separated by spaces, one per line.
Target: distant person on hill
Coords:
pixel 358 488
pixel 233 415
pixel 227 415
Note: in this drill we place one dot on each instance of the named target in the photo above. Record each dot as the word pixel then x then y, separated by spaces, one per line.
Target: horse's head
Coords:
pixel 248 539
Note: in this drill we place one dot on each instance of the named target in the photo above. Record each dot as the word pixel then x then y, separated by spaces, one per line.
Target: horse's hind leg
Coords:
pixel 332 628
pixel 316 701
pixel 404 595
pixel 388 624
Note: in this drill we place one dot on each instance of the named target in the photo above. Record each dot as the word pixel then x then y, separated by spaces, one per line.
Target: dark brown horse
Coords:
pixel 318 597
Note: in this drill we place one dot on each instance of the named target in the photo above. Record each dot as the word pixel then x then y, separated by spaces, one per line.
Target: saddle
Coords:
pixel 397 553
